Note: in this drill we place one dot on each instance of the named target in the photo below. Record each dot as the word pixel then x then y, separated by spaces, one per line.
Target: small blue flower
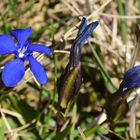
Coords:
pixel 14 70
pixel 131 80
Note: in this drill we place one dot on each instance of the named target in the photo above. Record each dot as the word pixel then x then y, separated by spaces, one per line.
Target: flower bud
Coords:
pixel 71 79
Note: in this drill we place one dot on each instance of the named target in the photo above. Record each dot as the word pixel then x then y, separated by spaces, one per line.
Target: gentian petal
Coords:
pixel 82 26
pixel 21 35
pixel 37 70
pixel 86 33
pixel 39 48
pixel 131 79
pixel 6 44
pixel 13 72
pixel 131 72
pixel 129 85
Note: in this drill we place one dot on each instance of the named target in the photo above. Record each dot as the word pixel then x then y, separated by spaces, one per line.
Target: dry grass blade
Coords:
pixel 114 32
pixel 11 135
pixel 16 130
pixel 61 52
pixel 12 113
pixel 5 121
pixel 133 17
pixel 137 46
pixel 81 133
pixel 70 32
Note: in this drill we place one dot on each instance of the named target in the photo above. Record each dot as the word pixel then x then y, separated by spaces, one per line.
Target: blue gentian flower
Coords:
pixel 131 80
pixel 14 70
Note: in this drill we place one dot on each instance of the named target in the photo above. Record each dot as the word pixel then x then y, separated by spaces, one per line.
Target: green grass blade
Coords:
pixel 104 73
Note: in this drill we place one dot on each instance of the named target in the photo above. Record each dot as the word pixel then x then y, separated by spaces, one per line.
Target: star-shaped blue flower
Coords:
pixel 14 70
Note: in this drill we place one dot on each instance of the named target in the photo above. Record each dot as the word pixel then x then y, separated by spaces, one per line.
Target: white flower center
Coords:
pixel 21 55
pixel 22 52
